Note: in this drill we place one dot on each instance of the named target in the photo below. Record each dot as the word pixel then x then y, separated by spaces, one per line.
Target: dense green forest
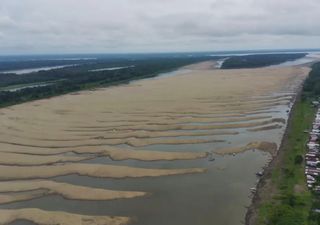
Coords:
pixel 289 200
pixel 258 60
pixel 85 76
pixel 311 86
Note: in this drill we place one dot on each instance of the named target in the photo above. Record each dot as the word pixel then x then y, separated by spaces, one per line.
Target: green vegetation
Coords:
pixel 254 61
pixel 291 204
pixel 311 87
pixel 289 201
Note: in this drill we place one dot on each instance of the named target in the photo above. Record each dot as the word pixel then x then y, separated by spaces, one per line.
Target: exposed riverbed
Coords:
pixel 180 149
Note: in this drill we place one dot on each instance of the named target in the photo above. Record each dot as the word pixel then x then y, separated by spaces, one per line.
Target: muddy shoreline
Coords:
pixel 263 185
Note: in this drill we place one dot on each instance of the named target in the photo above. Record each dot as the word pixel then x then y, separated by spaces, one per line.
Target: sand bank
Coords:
pixel 94 170
pixel 42 217
pixel 7 158
pixel 260 145
pixel 12 191
pixel 270 127
pixel 95 151
pixel 22 196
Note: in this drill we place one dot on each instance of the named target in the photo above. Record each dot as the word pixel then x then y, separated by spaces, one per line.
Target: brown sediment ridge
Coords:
pixel 9 158
pixel 37 129
pixel 108 151
pixel 42 217
pixel 143 142
pixel 6 198
pixel 270 127
pixel 187 126
pixel 13 191
pixel 119 132
pixel 93 170
pixel 239 104
pixel 194 110
pixel 162 134
pixel 270 99
pixel 185 120
pixel 208 115
pixel 124 134
pixel 260 145
pixel 99 123
pixel 130 141
pixel 141 116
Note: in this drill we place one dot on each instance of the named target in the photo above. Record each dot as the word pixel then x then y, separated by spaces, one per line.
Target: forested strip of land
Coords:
pixel 259 60
pixel 285 198
pixel 84 76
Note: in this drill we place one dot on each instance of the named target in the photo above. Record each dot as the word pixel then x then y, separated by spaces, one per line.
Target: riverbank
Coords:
pixel 282 196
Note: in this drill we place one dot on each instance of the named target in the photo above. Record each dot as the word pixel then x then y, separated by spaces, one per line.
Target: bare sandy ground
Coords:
pixel 269 127
pixel 33 154
pixel 12 191
pixel 7 158
pixel 50 137
pixel 259 145
pixel 53 218
pixel 94 170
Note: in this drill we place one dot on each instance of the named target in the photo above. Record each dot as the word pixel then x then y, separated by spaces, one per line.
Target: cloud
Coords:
pixel 47 26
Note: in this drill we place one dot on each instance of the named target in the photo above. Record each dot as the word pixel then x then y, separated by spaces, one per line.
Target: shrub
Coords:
pixel 298 159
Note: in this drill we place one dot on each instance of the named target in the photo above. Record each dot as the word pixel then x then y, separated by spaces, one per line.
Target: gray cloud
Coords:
pixel 57 26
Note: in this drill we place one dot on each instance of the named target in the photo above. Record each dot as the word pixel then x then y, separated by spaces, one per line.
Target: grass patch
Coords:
pixel 290 202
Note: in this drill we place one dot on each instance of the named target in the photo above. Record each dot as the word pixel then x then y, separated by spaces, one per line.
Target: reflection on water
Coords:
pixel 29 86
pixel 22 222
pixel 32 70
pixel 301 61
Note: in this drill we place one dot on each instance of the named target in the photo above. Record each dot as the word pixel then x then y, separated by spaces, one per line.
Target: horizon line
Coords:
pixel 167 52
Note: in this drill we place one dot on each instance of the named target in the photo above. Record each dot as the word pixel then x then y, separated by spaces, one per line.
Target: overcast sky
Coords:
pixel 108 26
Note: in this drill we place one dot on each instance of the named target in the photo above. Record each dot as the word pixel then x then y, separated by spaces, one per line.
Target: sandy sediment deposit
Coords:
pixel 94 170
pixel 31 155
pixel 270 127
pixel 260 145
pixel 7 158
pixel 52 218
pixel 162 120
pixel 12 191
pixel 123 154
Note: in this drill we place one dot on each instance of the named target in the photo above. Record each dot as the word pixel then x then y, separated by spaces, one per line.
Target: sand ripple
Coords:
pixel 260 145
pixel 12 191
pixel 94 170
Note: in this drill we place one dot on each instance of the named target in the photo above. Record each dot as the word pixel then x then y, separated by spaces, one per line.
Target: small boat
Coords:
pixel 253 190
pixel 260 174
pixel 211 158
